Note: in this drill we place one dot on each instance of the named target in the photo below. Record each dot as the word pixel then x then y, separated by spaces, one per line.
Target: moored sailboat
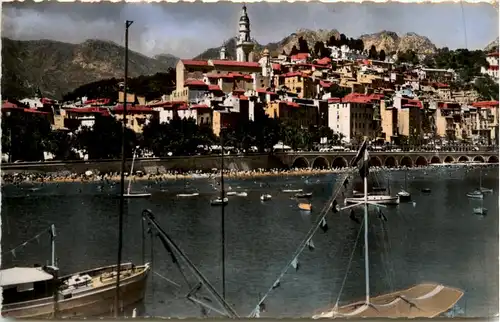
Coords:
pixel 129 193
pixel 423 300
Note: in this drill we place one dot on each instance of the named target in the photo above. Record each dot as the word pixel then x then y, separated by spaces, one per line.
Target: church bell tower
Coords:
pixel 244 45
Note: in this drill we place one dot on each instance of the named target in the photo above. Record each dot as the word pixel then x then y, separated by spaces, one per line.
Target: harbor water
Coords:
pixel 436 238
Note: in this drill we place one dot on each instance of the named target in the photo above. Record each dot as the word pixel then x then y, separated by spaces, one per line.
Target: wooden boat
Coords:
pixel 305 206
pixel 380 199
pixel 305 195
pixel 130 194
pixel 265 197
pixel 219 202
pixel 36 292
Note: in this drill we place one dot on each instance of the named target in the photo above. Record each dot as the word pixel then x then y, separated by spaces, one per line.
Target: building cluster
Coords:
pixel 354 96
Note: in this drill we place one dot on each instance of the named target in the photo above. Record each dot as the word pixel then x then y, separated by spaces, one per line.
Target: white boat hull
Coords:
pixel 219 202
pixel 383 200
pixel 188 194
pixel 136 195
pixel 265 197
pixel 94 302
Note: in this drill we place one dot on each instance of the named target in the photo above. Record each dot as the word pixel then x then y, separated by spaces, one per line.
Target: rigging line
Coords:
pixel 28 241
pixel 389 252
pixel 304 242
pixel 384 256
pixel 349 265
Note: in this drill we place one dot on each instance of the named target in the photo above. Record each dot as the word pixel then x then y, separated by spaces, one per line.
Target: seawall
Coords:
pixel 150 166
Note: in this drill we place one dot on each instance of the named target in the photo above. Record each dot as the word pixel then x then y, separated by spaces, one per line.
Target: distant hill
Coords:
pixel 390 41
pixel 387 40
pixel 274 48
pixel 57 68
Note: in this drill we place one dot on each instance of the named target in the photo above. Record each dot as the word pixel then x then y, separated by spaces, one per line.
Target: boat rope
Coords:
pixel 152 244
pixel 388 263
pixel 320 222
pixel 349 265
pixel 36 237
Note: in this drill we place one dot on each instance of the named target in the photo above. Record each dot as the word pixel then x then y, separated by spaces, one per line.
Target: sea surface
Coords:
pixel 437 238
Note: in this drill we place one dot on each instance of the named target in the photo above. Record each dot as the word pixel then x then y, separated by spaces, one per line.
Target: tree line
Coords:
pixel 27 136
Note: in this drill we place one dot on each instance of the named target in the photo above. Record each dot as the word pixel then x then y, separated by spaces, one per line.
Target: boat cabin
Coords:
pixel 20 284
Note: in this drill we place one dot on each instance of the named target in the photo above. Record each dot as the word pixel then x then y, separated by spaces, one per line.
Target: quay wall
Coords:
pixel 150 166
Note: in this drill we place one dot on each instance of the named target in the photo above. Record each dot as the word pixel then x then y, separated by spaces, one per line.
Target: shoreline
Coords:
pixel 242 175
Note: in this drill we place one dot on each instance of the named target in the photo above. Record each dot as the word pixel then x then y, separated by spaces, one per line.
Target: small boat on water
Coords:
pixel 404 195
pixel 426 190
pixel 292 190
pixel 241 194
pixel 305 206
pixel 186 195
pixel 305 195
pixel 231 193
pixel 265 197
pixel 480 211
pixel 130 194
pixel 476 194
pixel 380 199
pixel 219 201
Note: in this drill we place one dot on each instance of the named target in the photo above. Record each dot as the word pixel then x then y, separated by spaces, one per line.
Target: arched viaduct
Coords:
pixel 327 160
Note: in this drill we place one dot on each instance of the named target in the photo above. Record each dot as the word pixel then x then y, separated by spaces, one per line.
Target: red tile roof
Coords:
pixel 14 107
pixel 441 85
pixel 214 88
pixel 45 100
pixel 87 110
pixel 485 104
pixel 7 104
pixel 193 62
pixel 234 63
pixel 290 104
pixel 411 103
pixel 134 109
pixel 357 98
pixel 325 83
pixel 300 56
pixel 194 82
pixel 276 66
pixel 334 100
pixel 98 101
pixel 292 74
pixel 200 106
pixel 493 54
pixel 493 67
pixel 324 61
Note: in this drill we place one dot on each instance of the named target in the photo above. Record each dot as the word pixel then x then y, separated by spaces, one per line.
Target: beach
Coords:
pixel 90 176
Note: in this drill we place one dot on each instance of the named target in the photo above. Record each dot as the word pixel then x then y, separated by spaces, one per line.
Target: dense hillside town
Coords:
pixel 333 94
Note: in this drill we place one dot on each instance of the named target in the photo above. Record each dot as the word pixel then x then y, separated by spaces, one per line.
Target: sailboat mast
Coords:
pixel 122 176
pixel 223 231
pixel 367 271
pixel 131 172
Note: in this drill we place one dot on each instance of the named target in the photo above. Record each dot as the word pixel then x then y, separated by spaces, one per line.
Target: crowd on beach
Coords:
pixel 94 176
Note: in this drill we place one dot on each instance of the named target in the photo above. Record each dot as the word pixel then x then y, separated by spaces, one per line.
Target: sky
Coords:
pixel 187 29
